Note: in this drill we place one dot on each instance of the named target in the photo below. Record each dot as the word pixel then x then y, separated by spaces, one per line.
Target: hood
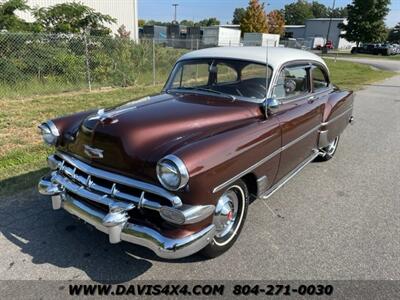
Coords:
pixel 141 132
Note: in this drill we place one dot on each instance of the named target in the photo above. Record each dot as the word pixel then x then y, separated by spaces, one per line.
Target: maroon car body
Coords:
pixel 106 169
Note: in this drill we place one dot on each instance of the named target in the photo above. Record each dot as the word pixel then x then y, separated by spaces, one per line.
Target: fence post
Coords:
pixel 88 75
pixel 154 62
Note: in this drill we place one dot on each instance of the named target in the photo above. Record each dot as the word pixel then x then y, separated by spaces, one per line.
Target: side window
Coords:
pixel 319 79
pixel 292 82
pixel 191 75
pixel 226 74
pixel 253 71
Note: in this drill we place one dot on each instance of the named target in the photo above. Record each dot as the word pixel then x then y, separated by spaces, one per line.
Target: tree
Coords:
pixel 141 22
pixel 9 20
pixel 238 15
pixel 255 18
pixel 319 10
pixel 208 22
pixel 297 13
pixel 188 23
pixel 366 21
pixel 159 23
pixel 394 34
pixel 276 22
pixel 72 18
pixel 339 12
pixel 123 33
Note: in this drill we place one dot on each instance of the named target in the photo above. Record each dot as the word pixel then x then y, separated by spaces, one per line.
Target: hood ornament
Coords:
pixel 93 152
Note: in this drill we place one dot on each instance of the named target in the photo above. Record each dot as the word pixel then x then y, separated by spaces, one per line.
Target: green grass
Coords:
pixel 21 148
pixel 23 156
pixel 349 55
pixel 352 76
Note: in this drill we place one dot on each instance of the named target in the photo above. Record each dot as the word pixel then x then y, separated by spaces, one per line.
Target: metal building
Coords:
pixel 124 11
pixel 318 28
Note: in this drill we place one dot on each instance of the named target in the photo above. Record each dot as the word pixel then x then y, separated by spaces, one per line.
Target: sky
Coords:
pixel 162 10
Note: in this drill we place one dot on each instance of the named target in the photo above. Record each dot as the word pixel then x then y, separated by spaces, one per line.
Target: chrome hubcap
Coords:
pixel 226 213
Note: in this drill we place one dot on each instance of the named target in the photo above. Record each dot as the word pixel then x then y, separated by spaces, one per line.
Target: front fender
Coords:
pixel 217 159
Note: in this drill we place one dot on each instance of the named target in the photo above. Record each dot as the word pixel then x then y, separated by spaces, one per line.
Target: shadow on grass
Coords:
pixel 16 184
pixel 56 238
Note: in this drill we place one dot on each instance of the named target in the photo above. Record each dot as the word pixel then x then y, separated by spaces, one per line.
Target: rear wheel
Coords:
pixel 329 151
pixel 229 217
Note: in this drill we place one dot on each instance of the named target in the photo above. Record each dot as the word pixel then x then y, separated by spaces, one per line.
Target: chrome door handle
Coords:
pixel 312 99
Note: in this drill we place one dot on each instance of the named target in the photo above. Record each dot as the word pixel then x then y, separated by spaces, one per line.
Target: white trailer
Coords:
pixel 261 39
pixel 221 36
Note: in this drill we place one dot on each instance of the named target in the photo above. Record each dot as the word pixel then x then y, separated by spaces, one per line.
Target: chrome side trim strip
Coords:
pixel 251 168
pixel 337 117
pixel 264 160
pixel 303 136
pixel 175 200
pixel 289 176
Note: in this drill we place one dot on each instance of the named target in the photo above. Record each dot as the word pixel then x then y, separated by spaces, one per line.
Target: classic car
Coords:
pixel 175 172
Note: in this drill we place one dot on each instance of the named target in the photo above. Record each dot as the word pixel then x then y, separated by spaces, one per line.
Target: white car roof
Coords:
pixel 277 56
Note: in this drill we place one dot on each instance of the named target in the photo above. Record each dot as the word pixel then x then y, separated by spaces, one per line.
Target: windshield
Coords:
pixel 236 79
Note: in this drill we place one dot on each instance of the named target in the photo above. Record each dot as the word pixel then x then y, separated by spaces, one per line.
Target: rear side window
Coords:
pixel 252 71
pixel 226 73
pixel 319 79
pixel 292 82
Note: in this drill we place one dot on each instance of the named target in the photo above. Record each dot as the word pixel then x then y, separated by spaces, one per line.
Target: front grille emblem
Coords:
pixel 93 152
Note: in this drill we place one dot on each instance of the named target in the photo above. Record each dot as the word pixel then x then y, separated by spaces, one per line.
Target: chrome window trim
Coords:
pixel 264 160
pixel 147 187
pixel 249 60
pixel 326 75
pixel 278 71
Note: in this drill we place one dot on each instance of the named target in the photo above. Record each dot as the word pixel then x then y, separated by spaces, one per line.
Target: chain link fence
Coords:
pixel 37 64
pixel 40 64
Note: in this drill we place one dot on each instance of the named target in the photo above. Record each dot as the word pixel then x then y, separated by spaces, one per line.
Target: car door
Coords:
pixel 300 115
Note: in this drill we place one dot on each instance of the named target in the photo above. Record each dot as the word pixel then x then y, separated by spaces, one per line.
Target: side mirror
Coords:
pixel 270 103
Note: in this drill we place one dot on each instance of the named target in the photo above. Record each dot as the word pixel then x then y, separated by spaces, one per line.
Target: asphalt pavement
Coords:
pixel 334 220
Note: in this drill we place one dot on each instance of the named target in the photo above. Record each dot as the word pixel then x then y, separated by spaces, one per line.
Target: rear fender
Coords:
pixel 337 115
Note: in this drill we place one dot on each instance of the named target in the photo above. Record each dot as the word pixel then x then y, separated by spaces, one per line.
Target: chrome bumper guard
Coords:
pixel 116 224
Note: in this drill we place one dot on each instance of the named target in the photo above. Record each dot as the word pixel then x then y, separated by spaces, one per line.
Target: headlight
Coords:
pixel 49 133
pixel 172 173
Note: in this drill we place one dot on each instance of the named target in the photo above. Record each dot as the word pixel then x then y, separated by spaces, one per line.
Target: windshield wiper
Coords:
pixel 205 90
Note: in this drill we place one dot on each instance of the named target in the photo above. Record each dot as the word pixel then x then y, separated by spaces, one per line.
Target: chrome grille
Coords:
pixel 106 188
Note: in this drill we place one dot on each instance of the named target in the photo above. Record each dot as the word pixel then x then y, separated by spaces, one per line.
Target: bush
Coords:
pixel 31 61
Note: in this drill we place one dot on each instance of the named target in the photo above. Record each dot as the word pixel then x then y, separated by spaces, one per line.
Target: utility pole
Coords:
pixel 325 49
pixel 175 5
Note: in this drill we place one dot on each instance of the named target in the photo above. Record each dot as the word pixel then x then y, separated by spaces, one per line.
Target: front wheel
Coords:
pixel 229 216
pixel 329 151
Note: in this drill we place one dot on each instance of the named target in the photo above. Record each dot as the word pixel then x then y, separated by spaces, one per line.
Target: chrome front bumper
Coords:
pixel 118 228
